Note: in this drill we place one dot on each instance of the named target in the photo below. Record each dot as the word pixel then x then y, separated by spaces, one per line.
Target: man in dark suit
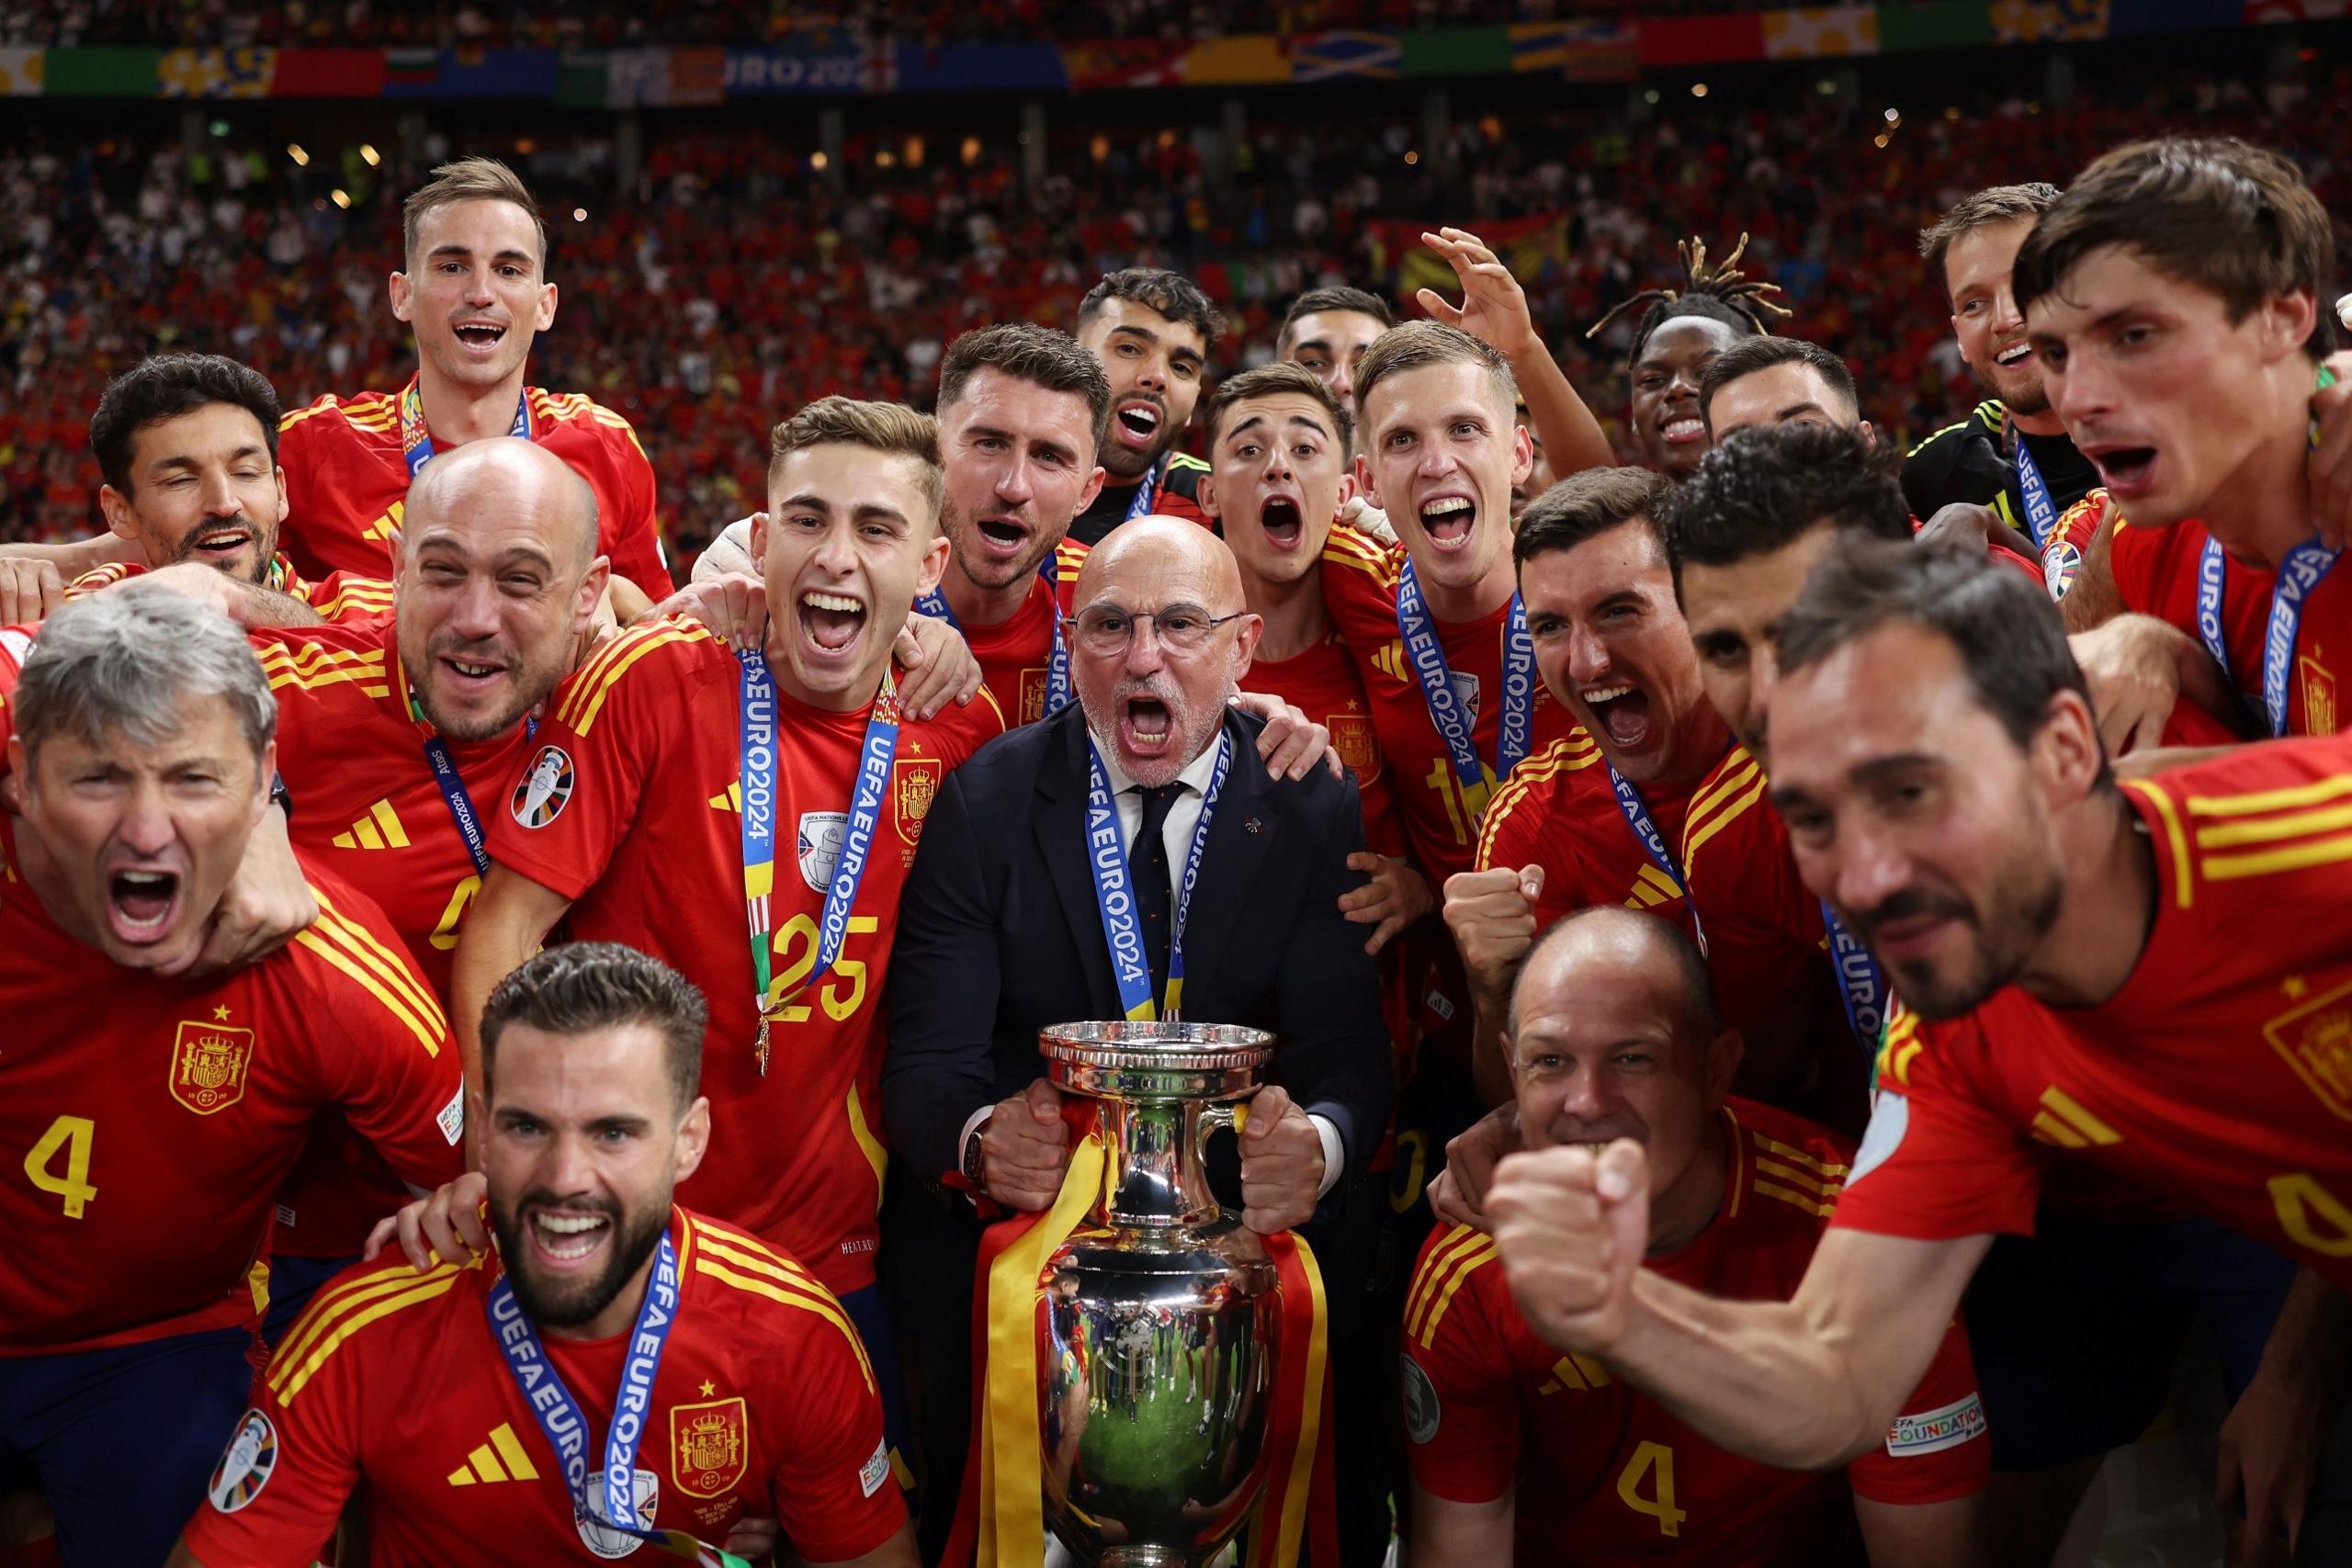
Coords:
pixel 1002 933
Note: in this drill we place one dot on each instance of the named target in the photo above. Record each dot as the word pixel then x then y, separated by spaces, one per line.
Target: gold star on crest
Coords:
pixel 2294 986
pixel 221 1014
pixel 708 1388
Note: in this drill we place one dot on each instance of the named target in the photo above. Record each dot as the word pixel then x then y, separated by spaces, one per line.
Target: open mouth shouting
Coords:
pixel 1135 424
pixel 1448 520
pixel 141 902
pixel 2127 472
pixel 1147 724
pixel 830 623
pixel 1002 538
pixel 568 1238
pixel 1284 523
pixel 1622 712
pixel 479 335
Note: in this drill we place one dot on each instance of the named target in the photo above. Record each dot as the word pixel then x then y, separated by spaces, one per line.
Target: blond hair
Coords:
pixel 468 179
pixel 892 429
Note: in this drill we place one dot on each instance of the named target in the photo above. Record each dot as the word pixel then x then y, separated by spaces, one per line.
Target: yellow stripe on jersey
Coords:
pixel 766 1274
pixel 2284 825
pixel 2257 802
pixel 1466 1263
pixel 1569 754
pixel 309 668
pixel 1821 1208
pixel 293 417
pixel 584 697
pixel 1070 554
pixel 2184 889
pixel 341 944
pixel 1938 436
pixel 2269 862
pixel 1721 806
pixel 317 1331
pixel 1899 1045
pixel 868 1143
pixel 391 966
pixel 1769 1145
pixel 1462 1245
pixel 1346 547
pixel 298 1374
pixel 1809 1177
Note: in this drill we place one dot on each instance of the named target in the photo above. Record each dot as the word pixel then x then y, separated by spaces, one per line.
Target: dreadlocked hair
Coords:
pixel 1720 292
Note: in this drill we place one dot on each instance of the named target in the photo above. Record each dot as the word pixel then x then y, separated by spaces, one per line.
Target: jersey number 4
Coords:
pixel 1650 1458
pixel 69 1136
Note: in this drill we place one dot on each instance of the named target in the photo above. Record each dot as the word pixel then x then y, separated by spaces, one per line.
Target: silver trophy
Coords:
pixel 1159 1311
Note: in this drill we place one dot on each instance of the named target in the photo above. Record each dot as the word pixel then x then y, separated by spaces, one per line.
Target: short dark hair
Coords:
pixel 1584 506
pixel 2009 634
pixel 579 985
pixel 2213 211
pixel 1172 294
pixel 1039 355
pixel 1749 356
pixel 1995 204
pixel 1280 375
pixel 165 387
pixel 1337 298
pixel 1697 988
pixel 1761 490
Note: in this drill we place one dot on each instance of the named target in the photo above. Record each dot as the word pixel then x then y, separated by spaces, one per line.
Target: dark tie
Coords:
pixel 1155 894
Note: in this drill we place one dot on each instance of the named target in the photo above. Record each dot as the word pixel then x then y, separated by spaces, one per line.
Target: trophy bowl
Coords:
pixel 1157 1316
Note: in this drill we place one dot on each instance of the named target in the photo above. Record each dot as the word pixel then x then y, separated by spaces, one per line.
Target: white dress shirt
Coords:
pixel 1184 820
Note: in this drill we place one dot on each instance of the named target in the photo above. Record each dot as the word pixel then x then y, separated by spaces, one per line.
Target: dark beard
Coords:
pixel 2019 921
pixel 632 1244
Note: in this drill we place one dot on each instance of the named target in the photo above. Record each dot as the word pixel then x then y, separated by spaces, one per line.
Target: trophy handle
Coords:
pixel 1235 1115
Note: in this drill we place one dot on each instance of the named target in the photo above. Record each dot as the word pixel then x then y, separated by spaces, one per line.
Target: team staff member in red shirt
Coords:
pixel 1522 1454
pixel 150 1118
pixel 2083 951
pixel 474 291
pixel 2184 371
pixel 188 444
pixel 1153 331
pixel 756 1402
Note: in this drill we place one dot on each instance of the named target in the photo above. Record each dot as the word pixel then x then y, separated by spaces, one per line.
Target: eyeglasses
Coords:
pixel 1106 629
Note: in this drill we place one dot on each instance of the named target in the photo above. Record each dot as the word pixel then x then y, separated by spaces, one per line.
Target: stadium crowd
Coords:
pixel 732 280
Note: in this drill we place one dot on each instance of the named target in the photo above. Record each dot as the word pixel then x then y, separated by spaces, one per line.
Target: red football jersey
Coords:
pixel 629 806
pixel 347 482
pixel 351 753
pixel 1323 684
pixel 2220 1075
pixel 1605 1475
pixel 2156 574
pixel 340 596
pixel 159 1117
pixel 1016 655
pixel 1440 818
pixel 1558 811
pixel 763 1407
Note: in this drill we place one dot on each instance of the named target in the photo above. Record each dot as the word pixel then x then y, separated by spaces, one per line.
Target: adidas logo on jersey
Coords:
pixel 501 1459
pixel 1651 887
pixel 379 830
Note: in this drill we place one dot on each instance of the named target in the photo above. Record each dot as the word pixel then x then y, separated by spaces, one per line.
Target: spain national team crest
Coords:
pixel 209 1064
pixel 1033 694
pixel 2316 1041
pixel 2319 696
pixel 914 785
pixel 540 798
pixel 709 1446
pixel 1351 737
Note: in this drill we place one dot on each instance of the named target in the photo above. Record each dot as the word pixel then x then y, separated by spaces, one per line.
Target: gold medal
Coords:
pixel 759 1048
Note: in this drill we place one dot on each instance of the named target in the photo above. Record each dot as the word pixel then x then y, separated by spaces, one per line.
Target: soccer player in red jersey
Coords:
pixel 1022 411
pixel 2080 952
pixel 1520 1453
pixel 673 783
pixel 1152 330
pixel 189 446
pixel 2184 371
pixel 151 1117
pixel 1436 627
pixel 474 291
pixel 699 1382
pixel 398 734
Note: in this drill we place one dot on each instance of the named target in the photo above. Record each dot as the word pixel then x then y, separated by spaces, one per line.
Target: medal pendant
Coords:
pixel 759 1048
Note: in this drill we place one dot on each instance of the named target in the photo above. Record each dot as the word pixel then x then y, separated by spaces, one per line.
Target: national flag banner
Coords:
pixel 1328 57
pixel 1239 61
pixel 328 74
pixel 20 72
pixel 1604 51
pixel 1950 24
pixel 1702 40
pixel 1125 63
pixel 1821 32
pixel 408 72
pixel 2043 21
pixel 697 75
pixel 1456 52
pixel 1529 246
pixel 101 73
pixel 216 72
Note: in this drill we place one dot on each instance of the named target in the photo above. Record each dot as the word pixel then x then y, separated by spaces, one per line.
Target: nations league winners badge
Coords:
pixel 539 799
pixel 820 846
pixel 245 1468
pixel 605 1542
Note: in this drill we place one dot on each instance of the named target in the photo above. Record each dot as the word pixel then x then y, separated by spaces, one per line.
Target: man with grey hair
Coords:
pixel 158 1113
pixel 1149 784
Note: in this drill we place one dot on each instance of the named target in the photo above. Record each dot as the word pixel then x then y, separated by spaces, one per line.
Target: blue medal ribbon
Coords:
pixel 1515 725
pixel 2305 567
pixel 453 785
pixel 1862 985
pixel 1638 817
pixel 562 1420
pixel 1115 897
pixel 416 442
pixel 2040 511
pixel 756 721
